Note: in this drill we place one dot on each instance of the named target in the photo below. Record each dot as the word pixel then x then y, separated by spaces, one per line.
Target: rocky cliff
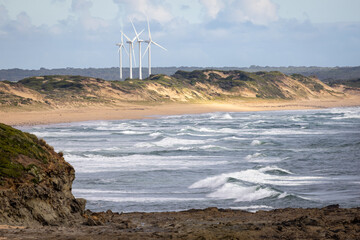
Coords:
pixel 35 182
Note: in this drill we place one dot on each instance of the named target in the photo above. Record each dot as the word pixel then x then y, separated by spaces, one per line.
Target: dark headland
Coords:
pixel 36 203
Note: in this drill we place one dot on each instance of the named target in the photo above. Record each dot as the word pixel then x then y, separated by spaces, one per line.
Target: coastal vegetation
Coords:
pixel 23 156
pixel 323 73
pixel 35 182
pixel 195 86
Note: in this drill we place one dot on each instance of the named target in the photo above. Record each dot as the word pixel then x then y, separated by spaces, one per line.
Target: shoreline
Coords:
pixel 329 222
pixel 121 111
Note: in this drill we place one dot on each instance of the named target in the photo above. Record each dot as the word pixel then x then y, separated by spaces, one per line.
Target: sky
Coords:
pixel 202 33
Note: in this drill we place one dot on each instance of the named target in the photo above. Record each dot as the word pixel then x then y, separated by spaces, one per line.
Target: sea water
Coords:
pixel 251 161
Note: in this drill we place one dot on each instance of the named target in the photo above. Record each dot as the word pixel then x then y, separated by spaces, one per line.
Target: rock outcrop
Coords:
pixel 35 182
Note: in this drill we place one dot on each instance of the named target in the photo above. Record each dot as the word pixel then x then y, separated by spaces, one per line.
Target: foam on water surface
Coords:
pixel 250 161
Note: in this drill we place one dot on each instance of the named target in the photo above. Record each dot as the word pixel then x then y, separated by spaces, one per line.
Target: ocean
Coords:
pixel 248 160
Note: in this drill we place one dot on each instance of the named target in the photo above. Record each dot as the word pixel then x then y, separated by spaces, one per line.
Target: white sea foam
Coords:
pixel 221 116
pixel 252 208
pixel 242 193
pixel 97 191
pixel 257 176
pixel 128 132
pixel 60 134
pixel 113 127
pixel 155 134
pixel 274 168
pixel 141 199
pixel 233 138
pixel 171 142
pixel 255 155
pixel 256 142
pixel 95 163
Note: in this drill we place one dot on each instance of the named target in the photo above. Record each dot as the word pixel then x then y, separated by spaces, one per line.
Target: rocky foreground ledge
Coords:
pixel 36 203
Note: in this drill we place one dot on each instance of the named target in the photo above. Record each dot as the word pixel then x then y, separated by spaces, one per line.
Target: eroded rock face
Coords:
pixel 35 182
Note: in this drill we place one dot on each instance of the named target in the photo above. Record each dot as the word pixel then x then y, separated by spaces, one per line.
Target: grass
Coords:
pixel 13 143
pixel 84 90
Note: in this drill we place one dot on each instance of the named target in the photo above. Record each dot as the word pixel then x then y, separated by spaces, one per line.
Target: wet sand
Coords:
pixel 35 116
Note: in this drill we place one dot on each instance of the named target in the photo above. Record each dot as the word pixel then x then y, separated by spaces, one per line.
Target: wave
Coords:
pixel 224 116
pixel 256 142
pixel 113 126
pixel 129 132
pixel 141 199
pixel 209 130
pixel 262 158
pixel 274 170
pixel 233 138
pixel 251 184
pixel 255 155
pixel 253 208
pixel 257 176
pixel 242 193
pixel 90 163
pixel 66 134
pixel 155 134
pixel 171 142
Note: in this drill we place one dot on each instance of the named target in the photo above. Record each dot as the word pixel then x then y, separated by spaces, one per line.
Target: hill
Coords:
pixel 323 73
pixel 195 86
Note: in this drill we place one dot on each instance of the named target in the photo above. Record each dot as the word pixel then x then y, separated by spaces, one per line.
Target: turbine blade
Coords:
pixel 137 35
pixel 134 56
pixel 126 36
pixel 125 50
pixel 159 45
pixel 134 30
pixel 147 18
pixel 146 49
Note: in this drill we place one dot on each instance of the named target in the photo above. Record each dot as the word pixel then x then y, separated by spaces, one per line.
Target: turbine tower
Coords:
pixel 148 49
pixel 131 50
pixel 121 46
pixel 139 42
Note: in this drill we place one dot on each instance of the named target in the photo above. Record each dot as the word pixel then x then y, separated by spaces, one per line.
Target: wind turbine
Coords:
pixel 121 46
pixel 131 50
pixel 139 42
pixel 148 49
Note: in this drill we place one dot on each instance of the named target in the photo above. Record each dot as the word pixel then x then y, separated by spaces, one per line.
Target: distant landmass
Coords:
pixel 183 86
pixel 326 74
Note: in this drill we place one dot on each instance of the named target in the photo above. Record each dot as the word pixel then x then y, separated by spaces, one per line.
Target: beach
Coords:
pixel 122 110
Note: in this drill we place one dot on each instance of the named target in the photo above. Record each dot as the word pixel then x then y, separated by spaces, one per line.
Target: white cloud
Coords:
pixel 213 7
pixel 259 12
pixel 139 9
pixel 88 22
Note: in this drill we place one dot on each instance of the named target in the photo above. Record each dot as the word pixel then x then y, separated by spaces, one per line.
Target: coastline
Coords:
pixel 330 222
pixel 36 116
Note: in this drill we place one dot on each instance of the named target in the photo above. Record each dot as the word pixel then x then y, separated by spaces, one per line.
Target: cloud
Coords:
pixel 258 12
pixel 139 9
pixel 88 22
pixel 81 5
pixel 213 7
pixel 4 15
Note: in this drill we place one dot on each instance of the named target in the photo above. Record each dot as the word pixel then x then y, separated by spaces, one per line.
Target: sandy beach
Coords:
pixel 15 116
